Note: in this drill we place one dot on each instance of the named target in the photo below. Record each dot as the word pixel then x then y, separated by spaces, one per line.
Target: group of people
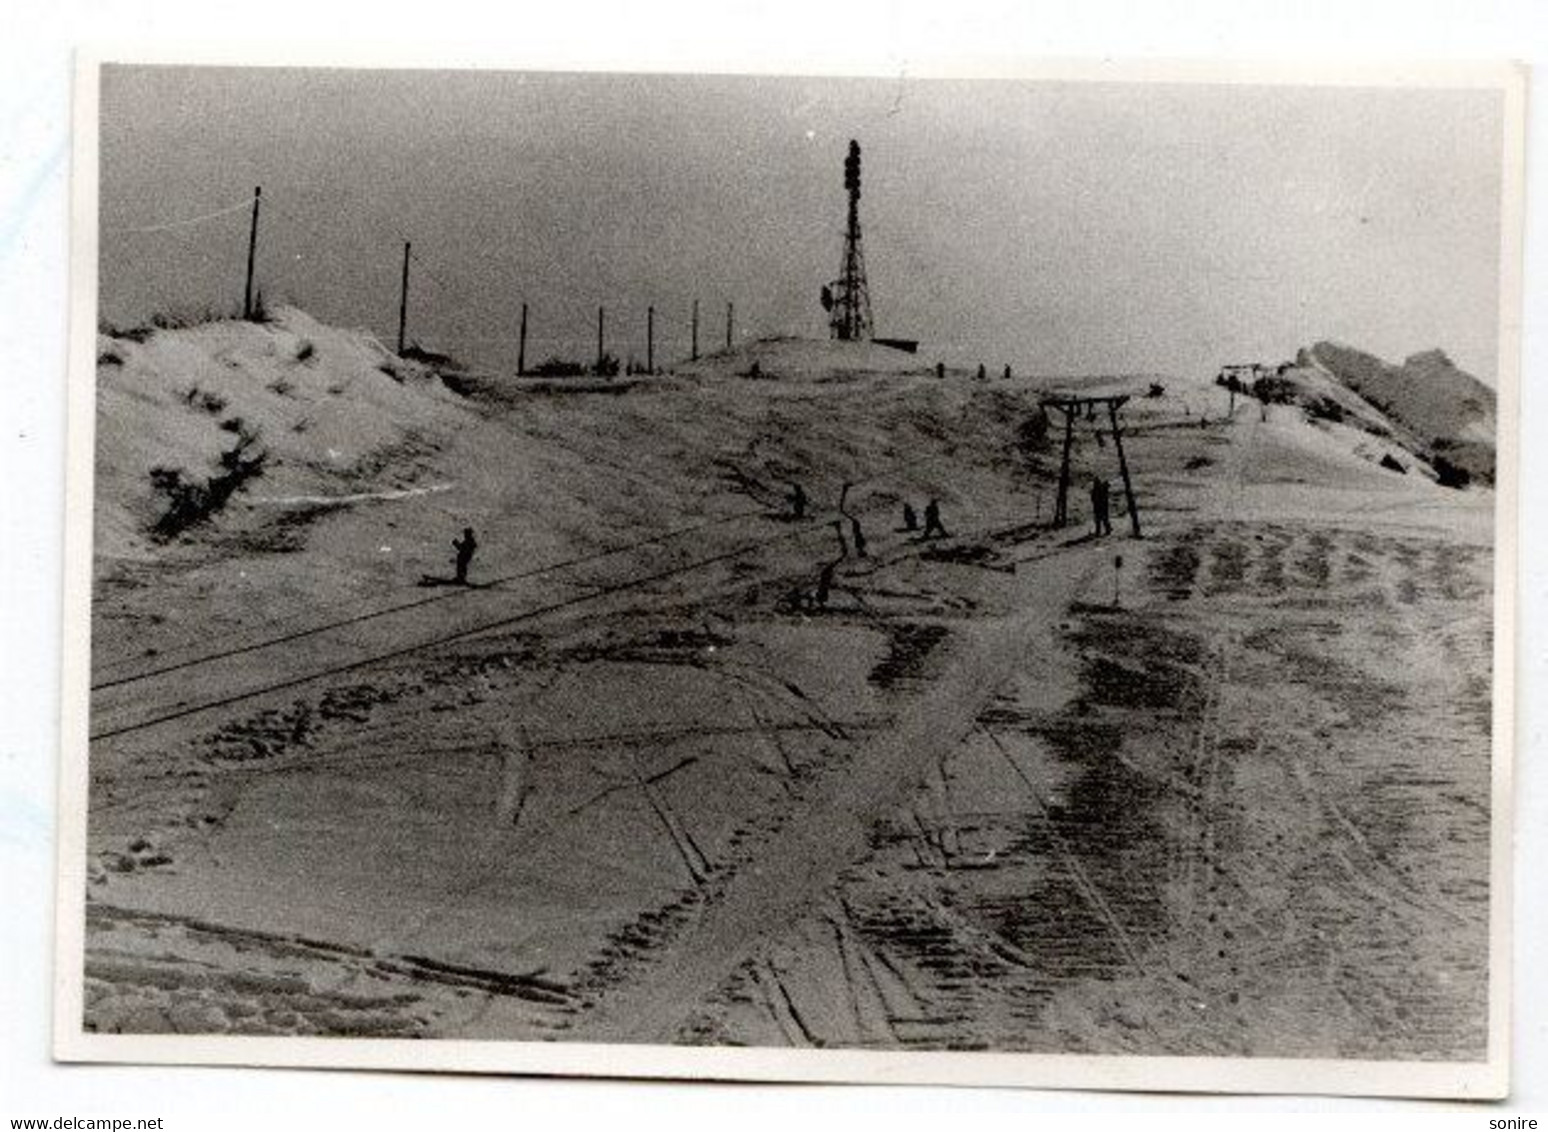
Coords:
pixel 933 527
pixel 932 520
pixel 983 371
pixel 852 539
pixel 467 545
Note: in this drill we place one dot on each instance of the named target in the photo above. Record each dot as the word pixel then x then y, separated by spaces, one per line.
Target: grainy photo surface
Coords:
pixel 900 565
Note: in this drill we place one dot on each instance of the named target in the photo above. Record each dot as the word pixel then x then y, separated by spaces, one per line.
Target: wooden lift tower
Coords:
pixel 1072 407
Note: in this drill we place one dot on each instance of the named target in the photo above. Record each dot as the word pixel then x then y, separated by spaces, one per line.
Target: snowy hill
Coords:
pixel 789 358
pixel 198 416
pixel 249 424
pixel 1444 413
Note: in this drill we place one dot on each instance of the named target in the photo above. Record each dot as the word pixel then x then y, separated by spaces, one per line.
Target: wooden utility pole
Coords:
pixel 695 354
pixel 1061 504
pixel 650 339
pixel 252 255
pixel 403 300
pixel 1123 467
pixel 730 322
pixel 601 323
pixel 521 344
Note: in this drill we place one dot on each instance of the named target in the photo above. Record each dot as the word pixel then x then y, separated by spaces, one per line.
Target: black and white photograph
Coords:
pixel 994 577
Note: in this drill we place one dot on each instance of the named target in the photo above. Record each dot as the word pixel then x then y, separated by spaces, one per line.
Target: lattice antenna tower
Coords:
pixel 848 300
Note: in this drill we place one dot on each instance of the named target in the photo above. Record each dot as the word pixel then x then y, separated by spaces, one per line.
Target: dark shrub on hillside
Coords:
pixel 1448 474
pixel 190 501
pixel 211 403
pixel 436 361
pixel 1273 390
pixel 1032 436
pixel 1324 409
pixel 557 367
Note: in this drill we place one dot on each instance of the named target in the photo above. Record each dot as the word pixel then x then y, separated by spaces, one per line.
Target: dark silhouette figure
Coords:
pixel 797 499
pixel 910 518
pixel 940 370
pixel 1007 371
pixel 465 546
pixel 824 586
pixel 932 527
pixel 982 373
pixel 857 536
pixel 1099 507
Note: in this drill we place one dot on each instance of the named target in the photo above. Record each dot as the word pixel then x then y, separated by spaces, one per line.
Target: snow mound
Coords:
pixel 320 411
pixel 805 359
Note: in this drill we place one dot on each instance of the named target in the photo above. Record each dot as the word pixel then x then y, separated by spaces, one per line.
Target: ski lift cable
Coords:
pixel 186 222
pixel 504 622
pixel 356 617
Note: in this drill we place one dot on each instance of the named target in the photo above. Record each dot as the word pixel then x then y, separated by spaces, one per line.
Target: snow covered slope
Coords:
pixel 806 359
pixel 1445 412
pixel 309 409
pixel 1222 789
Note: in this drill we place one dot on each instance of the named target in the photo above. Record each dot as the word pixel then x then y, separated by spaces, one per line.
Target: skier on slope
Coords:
pixel 464 546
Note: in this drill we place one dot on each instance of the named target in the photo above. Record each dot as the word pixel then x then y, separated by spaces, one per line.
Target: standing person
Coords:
pixel 933 528
pixel 824 585
pixel 797 499
pixel 1099 518
pixel 982 373
pixel 910 519
pixel 465 546
pixel 858 536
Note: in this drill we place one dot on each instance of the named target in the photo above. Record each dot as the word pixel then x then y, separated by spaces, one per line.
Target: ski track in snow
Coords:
pixel 340 500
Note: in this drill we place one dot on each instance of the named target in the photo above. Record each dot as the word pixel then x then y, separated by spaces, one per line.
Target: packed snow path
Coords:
pixel 808 856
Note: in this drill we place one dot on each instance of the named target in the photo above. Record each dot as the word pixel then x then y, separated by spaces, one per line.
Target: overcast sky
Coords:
pixel 1060 227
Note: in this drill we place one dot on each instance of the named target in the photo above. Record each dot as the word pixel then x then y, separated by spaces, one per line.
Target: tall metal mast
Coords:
pixel 848 301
